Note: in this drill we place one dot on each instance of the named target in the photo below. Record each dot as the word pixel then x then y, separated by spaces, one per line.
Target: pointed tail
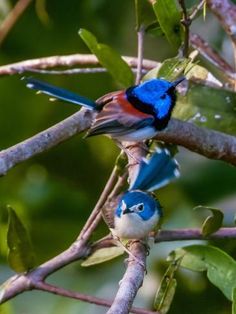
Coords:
pixel 59 93
pixel 156 172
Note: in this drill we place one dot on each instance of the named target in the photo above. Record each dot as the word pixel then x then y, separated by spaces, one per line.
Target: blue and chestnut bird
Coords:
pixel 138 211
pixel 134 114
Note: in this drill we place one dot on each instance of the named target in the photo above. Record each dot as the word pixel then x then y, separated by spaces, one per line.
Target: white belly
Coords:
pixel 138 135
pixel 131 226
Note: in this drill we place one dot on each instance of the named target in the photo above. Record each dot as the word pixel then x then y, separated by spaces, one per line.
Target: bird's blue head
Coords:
pixel 141 203
pixel 155 96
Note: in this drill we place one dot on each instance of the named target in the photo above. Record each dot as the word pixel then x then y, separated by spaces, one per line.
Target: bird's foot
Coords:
pixel 144 243
pixel 132 257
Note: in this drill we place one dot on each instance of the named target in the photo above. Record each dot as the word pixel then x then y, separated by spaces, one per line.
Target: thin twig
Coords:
pixel 225 11
pixel 74 71
pixel 66 61
pixel 84 297
pixel 12 18
pixel 24 282
pixel 102 199
pixel 196 10
pixel 186 21
pixel 140 34
pixel 211 55
pixel 194 234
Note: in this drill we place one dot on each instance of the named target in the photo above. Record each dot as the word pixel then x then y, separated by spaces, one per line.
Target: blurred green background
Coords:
pixel 54 192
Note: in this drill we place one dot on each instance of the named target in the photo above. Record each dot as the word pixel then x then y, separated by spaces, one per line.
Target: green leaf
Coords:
pixel 153 73
pixel 234 301
pixel 103 255
pixel 213 222
pixel 154 29
pixel 20 256
pixel 204 10
pixel 109 58
pixel 220 267
pixel 209 107
pixel 172 68
pixel 41 11
pixel 166 291
pixel 196 71
pixel 144 13
pixel 168 16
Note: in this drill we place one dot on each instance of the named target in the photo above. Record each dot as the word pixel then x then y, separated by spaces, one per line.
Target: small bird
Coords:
pixel 138 210
pixel 134 114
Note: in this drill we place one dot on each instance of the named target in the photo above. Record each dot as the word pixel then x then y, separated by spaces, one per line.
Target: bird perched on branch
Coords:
pixel 138 210
pixel 134 114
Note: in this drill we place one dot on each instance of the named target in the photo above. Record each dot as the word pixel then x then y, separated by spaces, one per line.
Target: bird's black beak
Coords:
pixel 126 211
pixel 179 80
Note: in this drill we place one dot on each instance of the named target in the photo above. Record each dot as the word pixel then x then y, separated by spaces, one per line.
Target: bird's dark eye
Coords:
pixel 163 96
pixel 140 207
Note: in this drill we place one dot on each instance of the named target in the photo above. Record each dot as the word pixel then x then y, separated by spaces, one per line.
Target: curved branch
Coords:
pixel 197 42
pixel 68 61
pixel 225 11
pixel 24 282
pixel 12 18
pixel 45 140
pixel 131 281
pixel 86 298
pixel 209 143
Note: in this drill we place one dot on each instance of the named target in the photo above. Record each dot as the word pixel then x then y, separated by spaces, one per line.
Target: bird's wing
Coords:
pixel 108 212
pixel 59 93
pixel 119 116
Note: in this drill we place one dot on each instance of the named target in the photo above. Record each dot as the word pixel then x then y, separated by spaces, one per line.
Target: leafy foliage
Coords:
pixel 103 255
pixel 168 16
pixel 109 58
pixel 213 222
pixel 220 267
pixel 20 256
pixel 166 290
pixel 209 107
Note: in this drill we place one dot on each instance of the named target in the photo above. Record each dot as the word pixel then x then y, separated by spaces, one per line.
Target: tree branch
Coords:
pixel 206 142
pixel 131 281
pixel 12 18
pixel 225 11
pixel 67 61
pixel 193 234
pixel 45 140
pixel 186 22
pixel 209 143
pixel 197 42
pixel 83 297
pixel 24 282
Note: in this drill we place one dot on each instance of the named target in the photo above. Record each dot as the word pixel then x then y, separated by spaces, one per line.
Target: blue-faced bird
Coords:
pixel 134 114
pixel 138 210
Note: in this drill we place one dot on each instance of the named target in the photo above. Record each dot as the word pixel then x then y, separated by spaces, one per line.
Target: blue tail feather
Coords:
pixel 156 172
pixel 59 93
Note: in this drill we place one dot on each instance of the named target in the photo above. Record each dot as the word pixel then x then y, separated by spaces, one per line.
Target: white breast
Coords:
pixel 138 135
pixel 132 226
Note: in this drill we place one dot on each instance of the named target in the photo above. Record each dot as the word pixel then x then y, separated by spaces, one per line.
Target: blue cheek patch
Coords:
pixel 148 212
pixel 163 106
